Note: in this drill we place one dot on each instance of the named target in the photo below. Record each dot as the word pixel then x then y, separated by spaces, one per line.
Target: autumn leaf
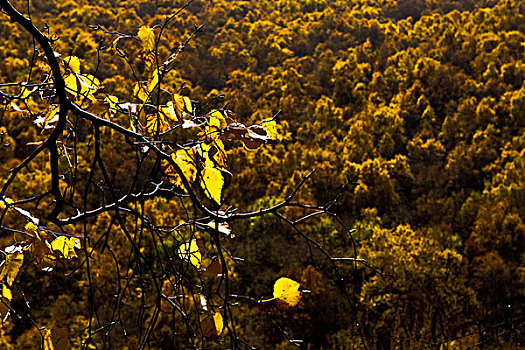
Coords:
pixel 218 154
pixel 218 321
pixel 66 246
pixel 156 122
pixel 213 325
pixel 11 266
pixel 140 92
pixel 153 80
pixel 215 152
pixel 235 132
pixel 71 84
pixel 73 63
pixel 82 85
pixel 48 341
pixel 169 112
pixel 189 124
pixel 214 268
pixel 31 228
pixel 252 144
pixel 4 203
pixel 55 339
pixel 270 126
pixel 182 105
pixel 42 254
pixel 6 293
pixel 184 158
pixel 212 182
pixel 27 92
pixel 49 117
pixel 255 136
pixel 88 85
pixel 256 132
pixel 112 101
pixel 287 291
pixel 41 251
pixel 4 309
pixel 147 38
pixel 216 119
pixel 190 251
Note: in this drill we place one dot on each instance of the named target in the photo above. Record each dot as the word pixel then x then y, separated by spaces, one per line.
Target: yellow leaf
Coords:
pixel 212 325
pixel 35 143
pixel 4 310
pixel 156 122
pixel 6 293
pixel 41 62
pixel 216 119
pixel 220 155
pixel 153 80
pixel 182 105
pixel 214 152
pixel 147 38
pixel 112 101
pixel 50 116
pixel 73 63
pixel 287 291
pixel 56 339
pixel 88 85
pixel 82 85
pixel 140 92
pixel 26 92
pixel 184 158
pixel 66 246
pixel 48 341
pixel 187 105
pixel 12 265
pixel 212 182
pixel 30 228
pixel 178 105
pixel 270 126
pixel 169 111
pixel 72 84
pixel 217 320
pixel 4 202
pixel 190 251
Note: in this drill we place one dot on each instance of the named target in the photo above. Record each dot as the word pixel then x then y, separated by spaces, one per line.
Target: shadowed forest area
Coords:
pixel 410 233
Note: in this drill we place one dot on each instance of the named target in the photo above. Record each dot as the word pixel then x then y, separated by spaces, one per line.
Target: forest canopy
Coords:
pixel 182 116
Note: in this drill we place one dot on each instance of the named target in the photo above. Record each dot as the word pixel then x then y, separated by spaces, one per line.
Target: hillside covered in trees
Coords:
pixel 412 113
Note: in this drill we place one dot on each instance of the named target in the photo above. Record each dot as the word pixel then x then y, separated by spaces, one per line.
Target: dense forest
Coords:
pixel 411 112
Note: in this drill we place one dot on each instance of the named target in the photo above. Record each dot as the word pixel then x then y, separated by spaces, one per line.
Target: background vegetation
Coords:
pixel 420 104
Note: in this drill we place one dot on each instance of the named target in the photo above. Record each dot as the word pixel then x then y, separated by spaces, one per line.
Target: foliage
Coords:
pixel 413 107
